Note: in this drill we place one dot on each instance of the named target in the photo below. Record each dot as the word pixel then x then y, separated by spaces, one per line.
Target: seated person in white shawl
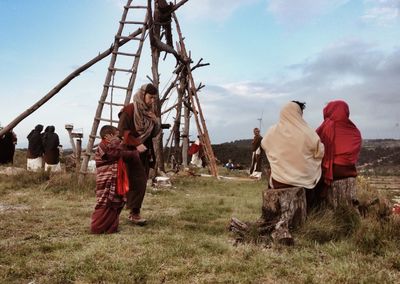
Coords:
pixel 293 149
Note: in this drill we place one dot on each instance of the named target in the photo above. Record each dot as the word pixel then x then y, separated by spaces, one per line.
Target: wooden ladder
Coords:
pixel 122 70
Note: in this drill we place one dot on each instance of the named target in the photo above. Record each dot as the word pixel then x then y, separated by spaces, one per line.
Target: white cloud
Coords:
pixel 216 10
pixel 382 12
pixel 255 90
pixel 119 3
pixel 355 71
pixel 300 11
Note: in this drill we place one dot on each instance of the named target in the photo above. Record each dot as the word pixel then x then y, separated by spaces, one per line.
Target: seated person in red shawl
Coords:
pixel 196 150
pixel 342 141
pixel 111 181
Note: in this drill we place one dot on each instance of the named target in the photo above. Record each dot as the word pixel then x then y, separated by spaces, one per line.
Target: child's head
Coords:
pixel 108 130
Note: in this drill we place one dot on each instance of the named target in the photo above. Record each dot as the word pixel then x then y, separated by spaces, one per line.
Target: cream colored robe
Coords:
pixel 293 149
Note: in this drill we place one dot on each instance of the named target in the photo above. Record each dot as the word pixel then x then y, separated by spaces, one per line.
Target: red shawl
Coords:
pixel 122 178
pixel 341 138
pixel 122 182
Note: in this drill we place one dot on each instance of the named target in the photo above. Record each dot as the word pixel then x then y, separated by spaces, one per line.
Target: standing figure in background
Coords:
pixel 294 150
pixel 51 144
pixel 112 182
pixel 7 147
pixel 255 168
pixel 342 141
pixel 35 149
pixel 197 152
pixel 138 125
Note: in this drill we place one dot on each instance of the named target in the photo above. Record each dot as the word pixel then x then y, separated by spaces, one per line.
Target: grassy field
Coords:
pixel 44 238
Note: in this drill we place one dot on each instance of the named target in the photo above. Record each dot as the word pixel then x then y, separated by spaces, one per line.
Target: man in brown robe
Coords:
pixel 138 124
pixel 255 168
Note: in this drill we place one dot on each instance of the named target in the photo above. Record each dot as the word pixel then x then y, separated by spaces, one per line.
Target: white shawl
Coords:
pixel 293 149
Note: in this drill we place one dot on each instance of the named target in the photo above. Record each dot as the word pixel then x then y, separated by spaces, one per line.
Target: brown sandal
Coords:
pixel 137 220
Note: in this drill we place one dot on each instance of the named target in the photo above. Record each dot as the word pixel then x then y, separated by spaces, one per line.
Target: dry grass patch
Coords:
pixel 186 240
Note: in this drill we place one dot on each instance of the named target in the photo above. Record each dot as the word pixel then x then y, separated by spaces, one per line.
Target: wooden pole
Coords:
pixel 78 154
pixel 154 34
pixel 192 92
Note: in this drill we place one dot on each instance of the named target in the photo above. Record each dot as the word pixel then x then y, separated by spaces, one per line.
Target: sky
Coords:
pixel 262 54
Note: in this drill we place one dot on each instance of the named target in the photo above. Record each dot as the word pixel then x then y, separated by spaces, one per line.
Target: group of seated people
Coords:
pixel 43 147
pixel 231 166
pixel 300 156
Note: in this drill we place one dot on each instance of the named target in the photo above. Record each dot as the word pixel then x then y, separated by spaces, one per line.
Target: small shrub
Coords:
pixel 376 235
pixel 370 238
pixel 27 179
pixel 70 182
pixel 328 225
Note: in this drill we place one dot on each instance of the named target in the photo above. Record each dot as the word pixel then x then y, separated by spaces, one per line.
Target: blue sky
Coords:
pixel 261 54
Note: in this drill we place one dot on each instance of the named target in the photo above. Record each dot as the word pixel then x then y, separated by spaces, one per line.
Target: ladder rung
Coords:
pixel 113 104
pixel 127 37
pixel 132 22
pixel 126 54
pixel 121 70
pixel 115 86
pixel 107 120
pixel 135 7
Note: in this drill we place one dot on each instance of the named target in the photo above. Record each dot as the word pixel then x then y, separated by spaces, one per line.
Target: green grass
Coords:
pixel 45 238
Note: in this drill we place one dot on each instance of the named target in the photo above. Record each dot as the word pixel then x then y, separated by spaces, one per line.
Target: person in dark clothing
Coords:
pixel 257 151
pixel 51 155
pixel 7 147
pixel 138 124
pixel 35 149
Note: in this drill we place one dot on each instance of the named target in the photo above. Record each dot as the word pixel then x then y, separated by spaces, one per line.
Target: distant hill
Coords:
pixel 380 156
pixel 375 153
pixel 239 151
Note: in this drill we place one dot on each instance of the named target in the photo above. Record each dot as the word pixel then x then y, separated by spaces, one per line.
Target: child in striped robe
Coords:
pixel 111 181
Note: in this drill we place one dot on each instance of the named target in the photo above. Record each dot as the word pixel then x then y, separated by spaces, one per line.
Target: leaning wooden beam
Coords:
pixel 63 83
pixel 169 109
pixel 192 92
pixel 170 88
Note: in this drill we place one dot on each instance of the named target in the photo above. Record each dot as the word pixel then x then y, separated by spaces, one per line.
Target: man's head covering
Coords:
pixel 145 119
pixel 149 89
pixel 39 127
pixel 341 138
pixel 293 149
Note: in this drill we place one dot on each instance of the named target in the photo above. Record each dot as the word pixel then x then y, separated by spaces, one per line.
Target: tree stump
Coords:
pixel 283 209
pixel 342 191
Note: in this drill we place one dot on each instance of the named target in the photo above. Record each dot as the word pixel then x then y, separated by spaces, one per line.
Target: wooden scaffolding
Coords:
pixel 157 27
pixel 138 23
